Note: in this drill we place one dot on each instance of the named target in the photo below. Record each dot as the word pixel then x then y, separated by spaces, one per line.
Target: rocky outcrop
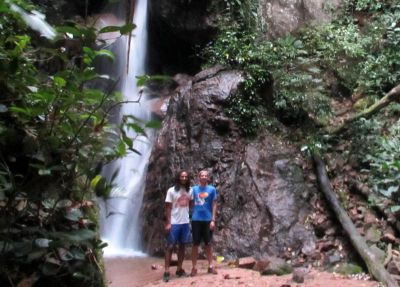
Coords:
pixel 178 29
pixel 263 200
pixel 280 17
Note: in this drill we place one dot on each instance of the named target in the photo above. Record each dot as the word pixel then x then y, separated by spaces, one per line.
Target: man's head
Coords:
pixel 182 179
pixel 203 177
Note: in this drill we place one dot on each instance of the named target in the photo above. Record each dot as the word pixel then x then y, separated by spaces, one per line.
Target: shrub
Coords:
pixel 54 135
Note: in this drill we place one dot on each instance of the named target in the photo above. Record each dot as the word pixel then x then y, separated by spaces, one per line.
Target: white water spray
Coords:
pixel 119 213
pixel 36 21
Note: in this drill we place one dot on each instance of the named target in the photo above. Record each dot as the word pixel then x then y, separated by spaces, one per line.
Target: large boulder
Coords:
pixel 280 17
pixel 263 200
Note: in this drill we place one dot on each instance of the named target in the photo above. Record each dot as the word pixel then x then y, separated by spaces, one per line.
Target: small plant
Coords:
pixel 348 269
pixel 384 163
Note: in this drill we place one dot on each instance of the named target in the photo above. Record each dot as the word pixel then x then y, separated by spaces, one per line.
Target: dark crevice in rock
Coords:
pixel 178 31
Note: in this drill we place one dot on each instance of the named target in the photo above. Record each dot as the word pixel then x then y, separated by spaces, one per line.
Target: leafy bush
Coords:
pixel 376 144
pixel 384 163
pixel 54 135
pixel 237 48
pixel 298 87
pixel 363 58
pixel 380 70
pixel 368 5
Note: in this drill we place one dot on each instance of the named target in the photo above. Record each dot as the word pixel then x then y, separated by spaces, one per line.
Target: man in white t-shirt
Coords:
pixel 177 226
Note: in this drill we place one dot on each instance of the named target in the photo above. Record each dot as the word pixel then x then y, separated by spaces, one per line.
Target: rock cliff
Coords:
pixel 179 29
pixel 263 200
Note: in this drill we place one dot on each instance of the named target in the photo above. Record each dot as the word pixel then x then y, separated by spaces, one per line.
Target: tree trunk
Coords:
pixel 392 96
pixel 375 267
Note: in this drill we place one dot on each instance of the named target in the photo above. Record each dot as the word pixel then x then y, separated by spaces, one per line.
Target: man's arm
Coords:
pixel 168 208
pixel 214 210
pixel 214 214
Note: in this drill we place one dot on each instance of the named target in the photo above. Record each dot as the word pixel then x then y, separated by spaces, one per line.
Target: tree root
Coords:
pixel 375 267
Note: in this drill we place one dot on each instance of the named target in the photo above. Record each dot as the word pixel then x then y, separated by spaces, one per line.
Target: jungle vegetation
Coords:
pixel 55 133
pixel 353 59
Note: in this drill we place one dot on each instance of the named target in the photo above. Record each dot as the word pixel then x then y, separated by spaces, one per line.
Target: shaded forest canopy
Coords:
pixel 55 134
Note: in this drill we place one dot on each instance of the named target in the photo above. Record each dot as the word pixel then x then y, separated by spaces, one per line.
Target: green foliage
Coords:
pixel 148 79
pixel 54 136
pixel 243 12
pixel 384 163
pixel 362 58
pixel 380 70
pixel 348 269
pixel 315 146
pixel 298 87
pixel 237 48
pixel 368 5
pixel 123 30
pixel 280 270
pixel 376 144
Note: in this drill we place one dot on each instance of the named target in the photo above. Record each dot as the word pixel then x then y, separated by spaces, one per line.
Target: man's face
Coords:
pixel 203 177
pixel 183 178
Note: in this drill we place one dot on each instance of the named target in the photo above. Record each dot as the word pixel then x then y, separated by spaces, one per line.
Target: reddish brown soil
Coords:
pixel 135 272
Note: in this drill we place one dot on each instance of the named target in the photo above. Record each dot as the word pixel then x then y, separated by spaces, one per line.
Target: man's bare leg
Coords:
pixel 181 255
pixel 208 250
pixel 195 253
pixel 211 268
pixel 167 262
pixel 168 258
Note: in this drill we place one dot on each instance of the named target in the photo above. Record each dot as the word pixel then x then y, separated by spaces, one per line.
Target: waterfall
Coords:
pixel 36 21
pixel 120 212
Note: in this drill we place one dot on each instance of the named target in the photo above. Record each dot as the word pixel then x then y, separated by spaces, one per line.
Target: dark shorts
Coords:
pixel 201 232
pixel 179 234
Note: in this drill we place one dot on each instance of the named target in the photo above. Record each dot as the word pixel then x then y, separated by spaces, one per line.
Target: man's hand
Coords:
pixel 212 225
pixel 167 227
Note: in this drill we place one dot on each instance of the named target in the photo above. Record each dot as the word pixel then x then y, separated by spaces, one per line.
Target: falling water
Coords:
pixel 120 212
pixel 36 21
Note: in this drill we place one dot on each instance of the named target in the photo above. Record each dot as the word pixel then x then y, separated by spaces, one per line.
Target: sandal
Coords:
pixel 166 277
pixel 211 270
pixel 194 272
pixel 180 273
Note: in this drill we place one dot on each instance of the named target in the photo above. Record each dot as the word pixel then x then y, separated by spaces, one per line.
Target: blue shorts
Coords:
pixel 179 234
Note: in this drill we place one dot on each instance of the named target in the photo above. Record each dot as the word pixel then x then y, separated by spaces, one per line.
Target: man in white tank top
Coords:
pixel 177 222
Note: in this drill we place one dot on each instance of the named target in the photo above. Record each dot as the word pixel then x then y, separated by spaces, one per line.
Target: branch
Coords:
pixel 123 102
pixel 375 267
pixel 392 96
pixel 106 95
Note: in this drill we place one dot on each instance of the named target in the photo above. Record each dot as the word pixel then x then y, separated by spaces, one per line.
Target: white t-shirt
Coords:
pixel 180 205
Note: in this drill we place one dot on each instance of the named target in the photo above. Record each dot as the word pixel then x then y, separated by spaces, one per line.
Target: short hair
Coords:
pixel 203 170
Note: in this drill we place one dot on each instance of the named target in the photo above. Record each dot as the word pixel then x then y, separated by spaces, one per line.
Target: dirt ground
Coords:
pixel 136 272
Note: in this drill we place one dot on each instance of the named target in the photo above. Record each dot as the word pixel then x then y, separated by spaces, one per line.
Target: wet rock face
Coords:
pixel 280 17
pixel 177 30
pixel 263 201
pixel 184 16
